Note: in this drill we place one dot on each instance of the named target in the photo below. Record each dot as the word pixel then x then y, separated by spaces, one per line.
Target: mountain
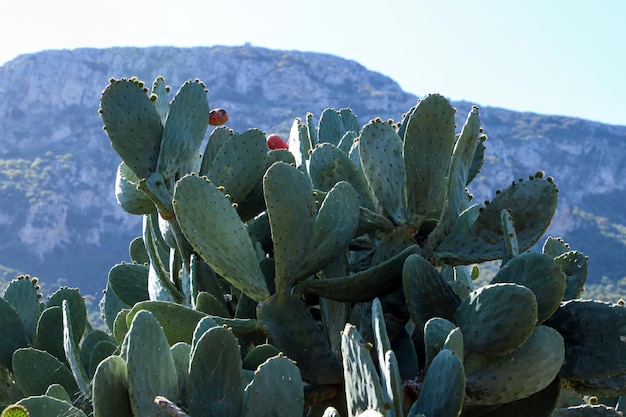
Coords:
pixel 58 216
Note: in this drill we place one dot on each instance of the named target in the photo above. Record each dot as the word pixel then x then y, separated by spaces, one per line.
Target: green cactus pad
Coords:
pixel 214 384
pixel 44 406
pixel 427 294
pixel 70 346
pixel 57 391
pixel 350 120
pixel 477 163
pixel 110 306
pixel 345 144
pixel 181 353
pixel 207 303
pixel 161 104
pixel 595 345
pixel 276 390
pixel 137 251
pixel 77 307
pixel 532 204
pixel 129 282
pixel 110 389
pixel 383 166
pixel 525 371
pixel 428 144
pixel 300 338
pixel 330 127
pixel 177 321
pixel 185 128
pixel 362 384
pixel 299 142
pixel 128 195
pixel 540 404
pixel 290 206
pixel 511 247
pixel 457 199
pixel 311 130
pixel 34 370
pixel 217 138
pixel 329 165
pixel 541 275
pixel 574 265
pixel 391 382
pixel 221 239
pixel 22 294
pixel 373 282
pixel 201 328
pixel 49 336
pixel 335 226
pixel 133 125
pixel 436 332
pixel 370 221
pixel 14 334
pixel 454 342
pixel 497 319
pixel 240 163
pixel 555 246
pixel 258 355
pixel 443 390
pixel 120 327
pixel 150 365
pixel 254 202
pixel 102 350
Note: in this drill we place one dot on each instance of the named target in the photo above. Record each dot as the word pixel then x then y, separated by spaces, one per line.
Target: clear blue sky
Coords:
pixel 565 57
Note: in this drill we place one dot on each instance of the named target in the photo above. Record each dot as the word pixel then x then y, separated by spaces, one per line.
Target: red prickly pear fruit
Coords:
pixel 276 142
pixel 218 117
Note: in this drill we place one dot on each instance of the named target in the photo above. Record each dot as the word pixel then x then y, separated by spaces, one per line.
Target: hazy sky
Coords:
pixel 565 57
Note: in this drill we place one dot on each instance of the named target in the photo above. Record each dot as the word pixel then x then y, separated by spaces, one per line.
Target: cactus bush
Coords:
pixel 332 278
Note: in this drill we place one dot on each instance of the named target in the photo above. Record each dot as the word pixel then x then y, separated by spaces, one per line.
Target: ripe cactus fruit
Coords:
pixel 218 117
pixel 274 141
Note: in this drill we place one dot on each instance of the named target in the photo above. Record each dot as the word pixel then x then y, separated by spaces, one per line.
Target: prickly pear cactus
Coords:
pixel 335 278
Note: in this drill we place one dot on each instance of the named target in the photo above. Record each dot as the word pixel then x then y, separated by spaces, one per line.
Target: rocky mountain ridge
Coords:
pixel 58 214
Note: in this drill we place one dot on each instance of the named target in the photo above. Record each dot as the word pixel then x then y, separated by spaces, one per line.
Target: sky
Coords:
pixel 562 57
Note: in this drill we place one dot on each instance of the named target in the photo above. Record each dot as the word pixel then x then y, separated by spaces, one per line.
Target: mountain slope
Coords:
pixel 58 215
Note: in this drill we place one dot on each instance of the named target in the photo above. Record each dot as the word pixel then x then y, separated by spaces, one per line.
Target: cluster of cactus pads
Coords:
pixel 333 278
